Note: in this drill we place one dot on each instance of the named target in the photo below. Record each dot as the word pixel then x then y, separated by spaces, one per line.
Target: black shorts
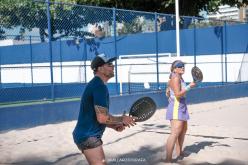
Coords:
pixel 91 142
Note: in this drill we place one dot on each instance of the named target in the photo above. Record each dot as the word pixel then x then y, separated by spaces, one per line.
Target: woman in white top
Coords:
pixel 177 111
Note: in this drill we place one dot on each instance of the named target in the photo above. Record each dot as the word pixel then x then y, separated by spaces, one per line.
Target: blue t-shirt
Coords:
pixel 96 93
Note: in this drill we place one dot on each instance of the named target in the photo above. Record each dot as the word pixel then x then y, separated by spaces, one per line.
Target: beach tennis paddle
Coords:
pixel 143 109
pixel 196 74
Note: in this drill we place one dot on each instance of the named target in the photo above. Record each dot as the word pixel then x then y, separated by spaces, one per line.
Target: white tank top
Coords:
pixel 183 86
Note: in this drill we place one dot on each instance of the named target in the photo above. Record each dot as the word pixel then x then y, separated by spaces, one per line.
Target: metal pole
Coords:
pixel 225 47
pixel 194 43
pixel 0 70
pixel 222 50
pixel 177 28
pixel 85 61
pixel 50 46
pixel 156 41
pixel 31 59
pixel 61 61
pixel 120 79
pixel 129 83
pixel 116 76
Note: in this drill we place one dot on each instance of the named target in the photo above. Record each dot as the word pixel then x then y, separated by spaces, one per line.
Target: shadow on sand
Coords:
pixel 146 155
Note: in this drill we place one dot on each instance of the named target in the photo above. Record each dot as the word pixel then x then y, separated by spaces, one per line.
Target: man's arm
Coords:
pixel 105 118
pixel 117 127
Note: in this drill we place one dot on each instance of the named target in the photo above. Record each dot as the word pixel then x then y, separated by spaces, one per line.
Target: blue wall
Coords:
pixel 29 92
pixel 40 114
pixel 40 92
pixel 67 90
pixel 212 40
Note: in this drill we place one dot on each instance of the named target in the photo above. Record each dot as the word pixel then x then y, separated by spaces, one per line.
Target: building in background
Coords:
pixel 227 12
pixel 243 13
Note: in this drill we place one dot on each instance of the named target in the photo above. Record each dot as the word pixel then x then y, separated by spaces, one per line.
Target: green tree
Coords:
pixel 27 15
pixel 187 7
pixel 71 20
pixel 23 15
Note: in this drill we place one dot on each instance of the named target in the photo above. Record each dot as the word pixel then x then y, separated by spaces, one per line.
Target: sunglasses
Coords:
pixel 182 66
pixel 179 65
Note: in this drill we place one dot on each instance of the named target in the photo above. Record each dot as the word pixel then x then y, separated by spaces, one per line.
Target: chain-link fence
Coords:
pixel 46 48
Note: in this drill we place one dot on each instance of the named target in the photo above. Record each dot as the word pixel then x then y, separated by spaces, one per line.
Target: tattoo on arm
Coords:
pixel 102 111
pixel 114 120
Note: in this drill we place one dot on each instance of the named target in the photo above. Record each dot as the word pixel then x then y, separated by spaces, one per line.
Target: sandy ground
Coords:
pixel 217 134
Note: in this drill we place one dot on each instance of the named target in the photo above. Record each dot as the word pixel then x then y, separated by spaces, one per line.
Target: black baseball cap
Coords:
pixel 100 60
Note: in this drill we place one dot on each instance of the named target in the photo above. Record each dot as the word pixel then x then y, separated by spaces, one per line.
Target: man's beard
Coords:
pixel 110 75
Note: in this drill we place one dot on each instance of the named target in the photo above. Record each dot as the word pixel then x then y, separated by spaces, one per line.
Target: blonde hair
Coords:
pixel 173 65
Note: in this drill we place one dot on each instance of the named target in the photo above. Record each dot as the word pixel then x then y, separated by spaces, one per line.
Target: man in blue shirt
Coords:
pixel 94 114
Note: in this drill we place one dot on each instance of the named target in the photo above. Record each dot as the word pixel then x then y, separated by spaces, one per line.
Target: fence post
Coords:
pixel 225 46
pixel 61 61
pixel 50 47
pixel 85 60
pixel 129 83
pixel 116 76
pixel 31 59
pixel 194 20
pixel 156 41
pixel 0 70
pixel 221 39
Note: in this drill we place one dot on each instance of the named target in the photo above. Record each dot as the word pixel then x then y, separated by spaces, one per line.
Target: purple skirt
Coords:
pixel 177 109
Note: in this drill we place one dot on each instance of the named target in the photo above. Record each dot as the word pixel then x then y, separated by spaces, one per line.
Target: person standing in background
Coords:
pixel 177 111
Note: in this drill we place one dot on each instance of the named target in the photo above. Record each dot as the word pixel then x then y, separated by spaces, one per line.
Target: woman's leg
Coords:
pixel 180 140
pixel 176 128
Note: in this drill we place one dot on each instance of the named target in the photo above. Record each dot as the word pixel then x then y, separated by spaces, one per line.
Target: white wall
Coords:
pixel 141 69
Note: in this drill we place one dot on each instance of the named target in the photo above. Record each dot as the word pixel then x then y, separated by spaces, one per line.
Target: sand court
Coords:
pixel 217 134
